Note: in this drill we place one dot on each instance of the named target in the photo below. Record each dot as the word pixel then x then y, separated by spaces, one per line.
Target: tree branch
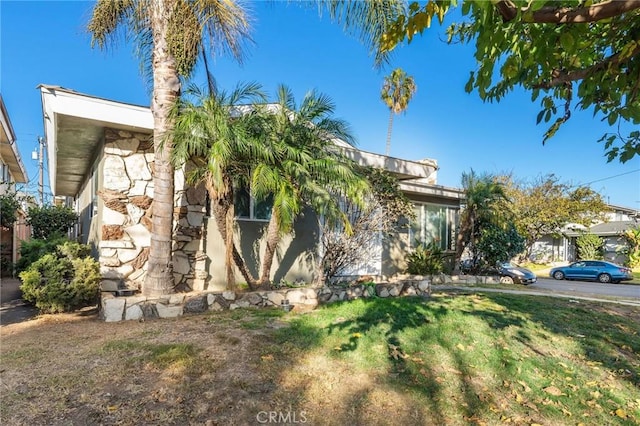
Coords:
pixel 559 77
pixel 567 15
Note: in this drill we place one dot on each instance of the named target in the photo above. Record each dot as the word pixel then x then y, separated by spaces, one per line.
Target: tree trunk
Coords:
pixel 389 128
pixel 223 213
pixel 273 238
pixel 166 90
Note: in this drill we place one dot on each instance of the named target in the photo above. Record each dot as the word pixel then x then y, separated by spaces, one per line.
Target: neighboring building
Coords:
pixel 562 248
pixel 12 171
pixel 101 157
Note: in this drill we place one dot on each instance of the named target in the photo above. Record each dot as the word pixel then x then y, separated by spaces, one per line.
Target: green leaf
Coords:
pixel 567 42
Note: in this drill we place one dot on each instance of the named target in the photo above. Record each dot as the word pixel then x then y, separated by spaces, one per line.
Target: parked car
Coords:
pixel 592 270
pixel 511 273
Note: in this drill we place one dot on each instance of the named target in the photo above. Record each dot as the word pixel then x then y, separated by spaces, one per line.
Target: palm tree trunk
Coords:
pixel 389 127
pixel 273 238
pixel 223 213
pixel 228 249
pixel 166 90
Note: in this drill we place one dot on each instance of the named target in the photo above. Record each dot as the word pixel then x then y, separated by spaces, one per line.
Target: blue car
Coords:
pixel 592 270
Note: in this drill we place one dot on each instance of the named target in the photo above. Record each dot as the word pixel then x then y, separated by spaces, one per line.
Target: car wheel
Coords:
pixel 558 275
pixel 604 278
pixel 506 280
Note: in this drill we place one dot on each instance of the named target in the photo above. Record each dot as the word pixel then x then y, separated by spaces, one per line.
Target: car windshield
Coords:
pixel 508 265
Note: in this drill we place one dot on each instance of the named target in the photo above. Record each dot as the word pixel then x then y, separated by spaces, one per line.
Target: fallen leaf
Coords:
pixel 524 385
pixel 567 412
pixel 621 413
pixel 552 390
pixel 357 335
pixel 460 346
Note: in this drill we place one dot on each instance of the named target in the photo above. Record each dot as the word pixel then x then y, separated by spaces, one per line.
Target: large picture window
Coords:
pixel 434 223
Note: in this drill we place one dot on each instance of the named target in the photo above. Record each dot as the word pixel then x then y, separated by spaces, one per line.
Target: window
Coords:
pixel 434 223
pixel 5 177
pixel 248 207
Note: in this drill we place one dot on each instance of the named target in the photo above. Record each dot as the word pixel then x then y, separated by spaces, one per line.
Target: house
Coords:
pixel 562 248
pixel 12 171
pixel 101 158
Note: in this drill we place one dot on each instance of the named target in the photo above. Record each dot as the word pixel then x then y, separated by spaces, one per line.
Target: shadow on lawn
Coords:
pixel 604 336
pixel 399 316
pixel 600 344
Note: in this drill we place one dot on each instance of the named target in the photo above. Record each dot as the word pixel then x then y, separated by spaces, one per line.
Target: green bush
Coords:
pixel 49 222
pixel 62 281
pixel 590 246
pixel 34 249
pixel 426 259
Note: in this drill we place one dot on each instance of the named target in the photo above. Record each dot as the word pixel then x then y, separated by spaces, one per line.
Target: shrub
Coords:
pixel 632 237
pixel 34 249
pixel 499 244
pixel 61 281
pixel 590 246
pixel 49 222
pixel 426 259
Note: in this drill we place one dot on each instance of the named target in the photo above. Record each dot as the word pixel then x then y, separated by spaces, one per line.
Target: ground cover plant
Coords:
pixel 454 359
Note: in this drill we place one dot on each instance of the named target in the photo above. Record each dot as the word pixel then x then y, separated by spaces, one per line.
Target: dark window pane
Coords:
pixel 241 201
pixel 262 208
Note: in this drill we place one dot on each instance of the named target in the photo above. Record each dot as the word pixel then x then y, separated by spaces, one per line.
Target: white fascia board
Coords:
pixel 91 108
pixel 435 190
pixel 58 101
pixel 412 169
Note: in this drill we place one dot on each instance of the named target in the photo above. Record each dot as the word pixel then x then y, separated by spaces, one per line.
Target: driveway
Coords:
pixel 12 308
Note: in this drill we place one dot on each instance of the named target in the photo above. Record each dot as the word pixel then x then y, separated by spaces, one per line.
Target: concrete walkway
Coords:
pixel 12 308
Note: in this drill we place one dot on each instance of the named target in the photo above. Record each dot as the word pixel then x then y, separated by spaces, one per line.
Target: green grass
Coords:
pixel 487 358
pixel 159 355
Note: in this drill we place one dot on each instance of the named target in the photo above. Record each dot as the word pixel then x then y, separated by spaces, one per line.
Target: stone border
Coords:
pixel 114 309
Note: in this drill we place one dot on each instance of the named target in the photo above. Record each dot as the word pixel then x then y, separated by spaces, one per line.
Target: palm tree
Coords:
pixel 397 91
pixel 485 197
pixel 219 139
pixel 305 168
pixel 280 151
pixel 169 34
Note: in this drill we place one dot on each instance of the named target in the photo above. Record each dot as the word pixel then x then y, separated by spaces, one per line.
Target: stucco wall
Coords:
pixel 295 259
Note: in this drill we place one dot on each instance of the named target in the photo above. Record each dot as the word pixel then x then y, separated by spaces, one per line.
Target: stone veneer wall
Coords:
pixel 115 309
pixel 126 198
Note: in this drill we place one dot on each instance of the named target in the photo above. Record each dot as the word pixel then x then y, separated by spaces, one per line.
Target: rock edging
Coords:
pixel 114 309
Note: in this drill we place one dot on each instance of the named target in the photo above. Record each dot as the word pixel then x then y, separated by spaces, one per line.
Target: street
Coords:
pixel 586 287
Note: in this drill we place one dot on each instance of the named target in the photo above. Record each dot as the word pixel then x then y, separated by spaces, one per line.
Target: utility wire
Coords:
pixel 607 178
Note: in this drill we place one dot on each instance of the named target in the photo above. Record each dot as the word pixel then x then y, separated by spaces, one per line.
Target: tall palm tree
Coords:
pixel 169 35
pixel 220 140
pixel 305 168
pixel 485 197
pixel 397 90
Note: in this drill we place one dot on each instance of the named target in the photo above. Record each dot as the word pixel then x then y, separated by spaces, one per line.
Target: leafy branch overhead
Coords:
pixel 568 54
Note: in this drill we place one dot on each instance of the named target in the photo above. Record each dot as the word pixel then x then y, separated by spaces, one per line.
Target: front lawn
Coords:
pixel 454 359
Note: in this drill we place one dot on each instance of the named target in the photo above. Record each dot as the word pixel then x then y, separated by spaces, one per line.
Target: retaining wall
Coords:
pixel 140 307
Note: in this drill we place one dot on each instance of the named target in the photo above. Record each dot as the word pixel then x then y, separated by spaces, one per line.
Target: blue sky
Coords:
pixel 46 43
